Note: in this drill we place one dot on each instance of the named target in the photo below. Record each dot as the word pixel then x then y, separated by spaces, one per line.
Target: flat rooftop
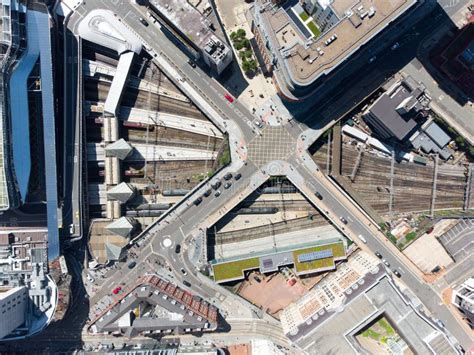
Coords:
pixel 185 18
pixel 337 336
pixel 305 65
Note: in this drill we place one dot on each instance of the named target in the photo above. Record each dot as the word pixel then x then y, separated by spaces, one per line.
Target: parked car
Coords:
pixel 343 220
pixel 116 290
pixel 395 46
pixel 143 21
pixel 197 201
pixel 387 264
pixel 228 176
pixel 207 193
pixel 229 98
pixel 227 185
pixel 177 250
pixel 183 272
pixel 237 176
pixel 132 264
pixel 397 273
pixel 318 195
pixel 191 63
pixel 361 237
pixel 372 59
pixel 378 255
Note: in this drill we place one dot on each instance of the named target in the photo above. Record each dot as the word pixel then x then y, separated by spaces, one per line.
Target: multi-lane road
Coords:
pixel 186 219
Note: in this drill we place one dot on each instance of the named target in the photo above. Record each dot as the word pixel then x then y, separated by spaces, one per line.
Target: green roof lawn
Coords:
pixel 338 251
pixel 314 28
pixel 304 16
pixel 234 269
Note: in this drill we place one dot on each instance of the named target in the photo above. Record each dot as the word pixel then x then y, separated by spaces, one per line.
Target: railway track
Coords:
pixel 267 230
pixel 287 205
pixel 413 183
pixel 97 91
pixel 172 137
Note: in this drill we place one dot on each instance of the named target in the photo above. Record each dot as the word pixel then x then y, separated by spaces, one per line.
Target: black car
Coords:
pixel 397 273
pixel 191 63
pixel 177 249
pixel 197 201
pixel 207 193
pixel 378 255
pixel 237 176
pixel 318 195
pixel 228 176
pixel 216 185
pixel 343 220
pixel 132 265
pixel 186 283
pixel 144 22
pixel 183 272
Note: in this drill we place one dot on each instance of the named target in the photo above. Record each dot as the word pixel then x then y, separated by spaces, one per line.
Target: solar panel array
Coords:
pixel 315 255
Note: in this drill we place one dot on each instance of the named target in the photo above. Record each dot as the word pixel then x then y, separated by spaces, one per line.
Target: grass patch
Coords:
pixel 386 326
pixel 338 251
pixel 369 333
pixel 304 16
pixel 234 269
pixel 314 28
pixel 410 236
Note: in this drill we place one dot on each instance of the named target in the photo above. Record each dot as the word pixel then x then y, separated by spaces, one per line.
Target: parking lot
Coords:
pixel 459 240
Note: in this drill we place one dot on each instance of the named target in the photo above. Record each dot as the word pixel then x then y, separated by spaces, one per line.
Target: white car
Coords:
pixel 372 59
pixel 395 46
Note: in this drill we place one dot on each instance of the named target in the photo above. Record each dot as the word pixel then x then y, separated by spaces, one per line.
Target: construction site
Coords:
pixel 148 145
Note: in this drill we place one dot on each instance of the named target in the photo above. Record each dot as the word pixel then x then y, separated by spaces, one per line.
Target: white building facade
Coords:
pixel 13 306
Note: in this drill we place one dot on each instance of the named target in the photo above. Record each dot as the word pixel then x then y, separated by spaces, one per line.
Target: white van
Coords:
pixel 361 237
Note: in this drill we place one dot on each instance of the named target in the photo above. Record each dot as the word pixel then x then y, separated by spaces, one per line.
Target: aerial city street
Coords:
pixel 237 177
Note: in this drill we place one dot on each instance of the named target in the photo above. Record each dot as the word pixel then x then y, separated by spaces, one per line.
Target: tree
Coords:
pixel 246 43
pixel 249 66
pixel 241 33
pixel 253 64
pixel 238 45
pixel 245 54
pixel 233 36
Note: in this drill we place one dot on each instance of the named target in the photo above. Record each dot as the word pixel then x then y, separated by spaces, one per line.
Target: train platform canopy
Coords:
pixel 114 97
pixel 122 192
pixel 120 149
pixel 103 28
pixel 123 226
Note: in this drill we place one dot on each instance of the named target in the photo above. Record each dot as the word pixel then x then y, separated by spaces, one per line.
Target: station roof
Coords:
pixel 122 192
pixel 120 149
pixel 113 251
pixel 122 226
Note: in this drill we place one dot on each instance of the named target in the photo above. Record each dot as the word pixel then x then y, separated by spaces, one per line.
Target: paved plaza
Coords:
pixel 275 143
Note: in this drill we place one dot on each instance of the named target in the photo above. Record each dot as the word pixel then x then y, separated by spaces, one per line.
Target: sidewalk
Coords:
pixel 258 89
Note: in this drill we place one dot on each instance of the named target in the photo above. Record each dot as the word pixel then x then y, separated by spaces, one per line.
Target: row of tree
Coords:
pixel 242 44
